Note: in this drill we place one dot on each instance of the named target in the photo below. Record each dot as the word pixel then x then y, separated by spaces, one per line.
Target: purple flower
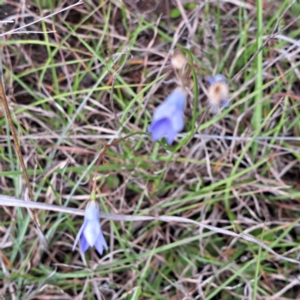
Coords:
pixel 90 233
pixel 168 117
pixel 218 92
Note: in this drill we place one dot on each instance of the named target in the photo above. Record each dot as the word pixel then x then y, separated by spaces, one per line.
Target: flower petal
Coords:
pixel 177 121
pixel 91 232
pixel 220 78
pixel 101 243
pixel 160 128
pixel 83 244
pixel 163 111
pixel 92 211
pixel 210 80
pixel 171 136
pixel 78 236
pixel 175 101
pixel 177 98
pixel 224 103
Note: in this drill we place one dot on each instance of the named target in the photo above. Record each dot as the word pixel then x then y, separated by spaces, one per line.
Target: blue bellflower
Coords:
pixel 168 117
pixel 90 233
pixel 218 92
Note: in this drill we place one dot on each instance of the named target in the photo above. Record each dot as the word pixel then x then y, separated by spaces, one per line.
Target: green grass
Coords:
pixel 99 78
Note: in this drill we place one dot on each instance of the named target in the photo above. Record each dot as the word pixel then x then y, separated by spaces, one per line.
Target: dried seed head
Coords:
pixel 218 92
pixel 178 60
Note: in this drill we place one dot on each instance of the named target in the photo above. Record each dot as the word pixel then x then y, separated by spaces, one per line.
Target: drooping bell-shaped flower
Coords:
pixel 90 233
pixel 218 92
pixel 168 118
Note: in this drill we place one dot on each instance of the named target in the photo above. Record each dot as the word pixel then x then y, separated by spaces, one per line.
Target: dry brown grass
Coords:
pixel 98 78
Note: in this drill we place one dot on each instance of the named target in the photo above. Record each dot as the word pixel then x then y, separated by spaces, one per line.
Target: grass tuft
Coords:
pixel 214 215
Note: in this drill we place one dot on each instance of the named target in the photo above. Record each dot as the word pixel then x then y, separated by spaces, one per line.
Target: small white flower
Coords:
pixel 90 233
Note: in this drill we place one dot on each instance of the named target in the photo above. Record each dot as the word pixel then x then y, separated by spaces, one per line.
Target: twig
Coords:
pixel 41 19
pixel 11 201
